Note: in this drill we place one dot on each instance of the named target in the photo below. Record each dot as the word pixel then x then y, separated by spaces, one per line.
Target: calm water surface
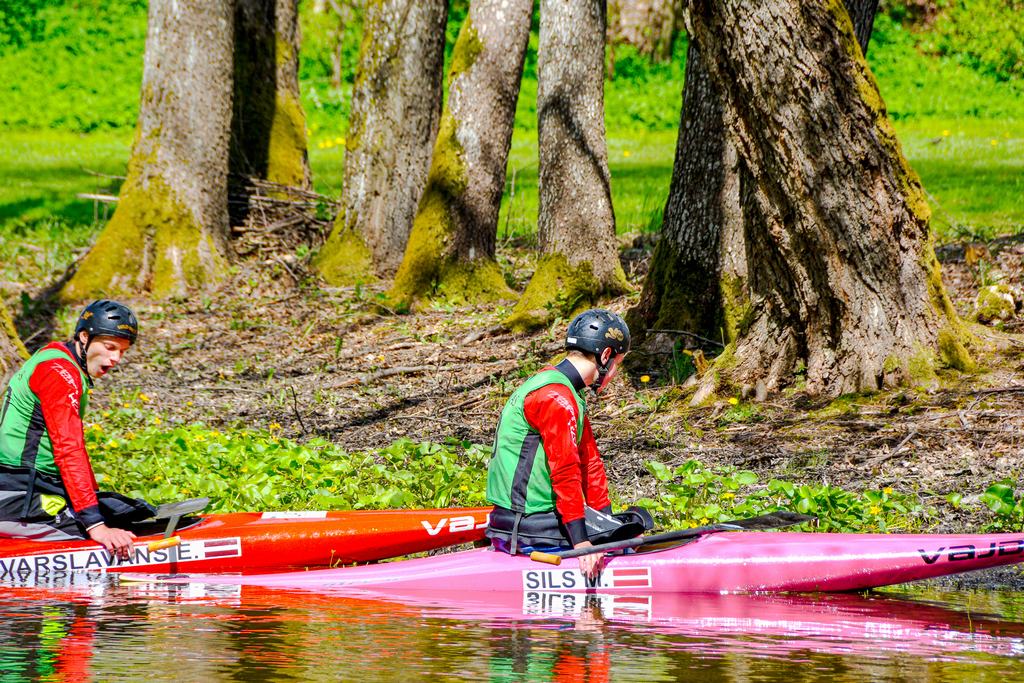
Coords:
pixel 99 629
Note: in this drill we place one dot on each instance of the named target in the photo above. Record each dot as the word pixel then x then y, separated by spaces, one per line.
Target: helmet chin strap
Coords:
pixel 81 357
pixel 602 371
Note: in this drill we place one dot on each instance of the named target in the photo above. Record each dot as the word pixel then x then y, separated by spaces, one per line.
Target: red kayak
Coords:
pixel 254 541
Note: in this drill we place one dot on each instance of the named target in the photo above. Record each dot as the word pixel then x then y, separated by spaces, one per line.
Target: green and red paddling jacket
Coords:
pixel 545 456
pixel 41 435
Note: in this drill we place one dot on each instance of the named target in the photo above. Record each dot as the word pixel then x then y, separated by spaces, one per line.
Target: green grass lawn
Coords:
pixel 41 172
pixel 974 171
pixel 961 129
pixel 972 168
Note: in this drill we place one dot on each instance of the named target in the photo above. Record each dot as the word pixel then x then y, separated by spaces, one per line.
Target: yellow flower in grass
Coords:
pixel 945 133
pixel 874 509
pixel 887 490
pixel 157 420
pixel 994 142
pixel 626 153
pixel 274 427
pixel 728 494
pixel 733 401
pixel 144 398
pixel 645 378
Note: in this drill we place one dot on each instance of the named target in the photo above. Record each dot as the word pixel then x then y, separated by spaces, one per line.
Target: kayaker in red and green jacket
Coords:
pixel 47 487
pixel 546 478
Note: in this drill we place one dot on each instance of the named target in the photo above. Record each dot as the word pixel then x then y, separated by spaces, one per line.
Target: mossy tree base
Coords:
pixel 454 282
pixel 169 233
pixel 151 244
pixel 12 351
pixel 432 267
pixel 556 289
pixel 344 260
pixel 450 252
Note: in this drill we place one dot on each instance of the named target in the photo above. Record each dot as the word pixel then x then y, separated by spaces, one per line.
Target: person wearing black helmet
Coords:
pixel 47 486
pixel 545 477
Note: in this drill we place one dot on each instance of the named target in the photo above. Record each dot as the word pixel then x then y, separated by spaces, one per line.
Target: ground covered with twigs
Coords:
pixel 273 348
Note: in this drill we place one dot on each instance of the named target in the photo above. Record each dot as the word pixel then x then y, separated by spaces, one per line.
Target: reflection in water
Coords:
pixel 92 628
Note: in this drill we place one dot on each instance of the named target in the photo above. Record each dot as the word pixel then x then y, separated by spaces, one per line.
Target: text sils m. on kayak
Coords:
pixel 574 580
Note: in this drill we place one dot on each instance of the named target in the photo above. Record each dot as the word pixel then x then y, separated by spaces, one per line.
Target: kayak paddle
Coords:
pixel 771 520
pixel 173 512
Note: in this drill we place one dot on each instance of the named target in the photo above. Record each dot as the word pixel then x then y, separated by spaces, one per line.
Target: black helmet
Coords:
pixel 108 319
pixel 595 330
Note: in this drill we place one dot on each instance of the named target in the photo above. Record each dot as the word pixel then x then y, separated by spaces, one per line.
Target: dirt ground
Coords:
pixel 274 346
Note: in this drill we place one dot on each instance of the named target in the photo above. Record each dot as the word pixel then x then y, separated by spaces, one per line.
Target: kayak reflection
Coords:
pixel 770 623
pixel 110 628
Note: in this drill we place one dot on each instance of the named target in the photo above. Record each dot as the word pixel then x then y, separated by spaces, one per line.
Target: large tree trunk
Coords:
pixel 843 280
pixel 696 290
pixel 12 351
pixel 170 230
pixel 451 247
pixel 268 127
pixel 576 226
pixel 396 105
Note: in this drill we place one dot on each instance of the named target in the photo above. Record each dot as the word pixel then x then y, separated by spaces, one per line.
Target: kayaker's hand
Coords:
pixel 118 542
pixel 590 565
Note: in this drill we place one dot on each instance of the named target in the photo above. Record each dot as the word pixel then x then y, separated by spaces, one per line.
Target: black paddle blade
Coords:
pixel 772 520
pixel 181 508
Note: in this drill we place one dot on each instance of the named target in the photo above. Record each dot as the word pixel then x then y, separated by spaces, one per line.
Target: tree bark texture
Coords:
pixel 12 351
pixel 648 25
pixel 170 230
pixel 698 277
pixel 843 279
pixel 451 248
pixel 268 126
pixel 576 223
pixel 396 106
pixel 685 286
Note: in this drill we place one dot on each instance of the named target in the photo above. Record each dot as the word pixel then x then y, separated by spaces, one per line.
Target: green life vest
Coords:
pixel 518 477
pixel 24 441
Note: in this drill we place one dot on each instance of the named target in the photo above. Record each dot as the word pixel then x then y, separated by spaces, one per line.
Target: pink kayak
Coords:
pixel 713 563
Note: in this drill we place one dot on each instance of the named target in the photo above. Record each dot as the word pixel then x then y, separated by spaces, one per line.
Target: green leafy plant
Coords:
pixel 138 454
pixel 1006 504
pixel 693 494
